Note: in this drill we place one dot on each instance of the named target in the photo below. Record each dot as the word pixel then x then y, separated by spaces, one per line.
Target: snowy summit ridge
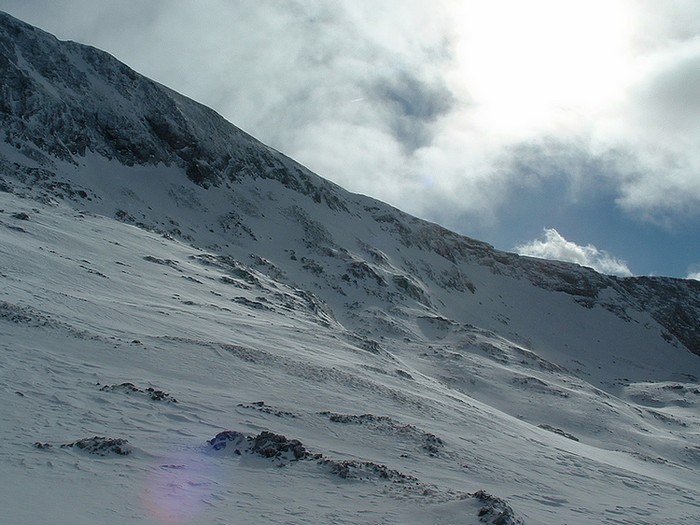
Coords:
pixel 150 248
pixel 66 99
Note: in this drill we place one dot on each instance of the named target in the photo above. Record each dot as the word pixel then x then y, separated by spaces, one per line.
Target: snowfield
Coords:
pixel 195 329
pixel 94 313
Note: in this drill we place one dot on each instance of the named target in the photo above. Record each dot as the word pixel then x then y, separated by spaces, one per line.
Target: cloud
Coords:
pixel 554 246
pixel 658 129
pixel 584 174
pixel 694 272
pixel 411 105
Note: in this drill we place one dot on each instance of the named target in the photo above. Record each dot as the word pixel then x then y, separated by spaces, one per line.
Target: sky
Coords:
pixel 559 129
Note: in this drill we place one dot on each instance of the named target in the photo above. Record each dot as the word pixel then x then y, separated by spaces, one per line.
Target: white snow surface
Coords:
pixel 88 303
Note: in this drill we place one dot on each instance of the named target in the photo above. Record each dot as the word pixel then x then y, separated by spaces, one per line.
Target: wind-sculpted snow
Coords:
pixel 285 452
pixel 104 325
pixel 429 443
pixel 424 376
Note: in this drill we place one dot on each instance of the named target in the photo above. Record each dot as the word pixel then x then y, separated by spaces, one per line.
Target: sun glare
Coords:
pixel 534 65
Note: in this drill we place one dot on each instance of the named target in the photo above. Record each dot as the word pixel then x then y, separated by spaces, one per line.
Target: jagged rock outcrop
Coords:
pixel 96 445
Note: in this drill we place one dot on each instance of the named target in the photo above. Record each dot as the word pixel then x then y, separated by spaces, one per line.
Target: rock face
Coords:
pixel 495 510
pixel 266 444
pixel 269 218
pixel 102 446
pixel 149 392
pixel 673 303
pixel 96 445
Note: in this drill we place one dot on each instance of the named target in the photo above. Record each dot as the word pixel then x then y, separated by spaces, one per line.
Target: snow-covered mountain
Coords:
pixel 176 297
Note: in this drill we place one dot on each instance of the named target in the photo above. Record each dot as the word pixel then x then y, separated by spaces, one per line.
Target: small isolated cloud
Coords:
pixel 694 272
pixel 554 246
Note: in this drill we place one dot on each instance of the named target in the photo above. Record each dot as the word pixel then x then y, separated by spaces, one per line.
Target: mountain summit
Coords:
pixel 149 243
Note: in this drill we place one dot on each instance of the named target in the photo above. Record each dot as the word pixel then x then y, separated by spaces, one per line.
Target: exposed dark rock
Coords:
pixel 266 444
pixel 276 446
pixel 232 267
pixel 362 270
pixel 130 388
pixel 673 303
pixel 97 445
pixel 164 262
pixel 429 443
pixel 260 406
pixel 404 374
pixel 365 470
pixel 159 395
pixel 102 446
pixel 229 438
pixel 495 511
pixel 270 445
pixel 81 110
pixel 371 346
pixel 558 431
pixel 409 287
pixel 256 305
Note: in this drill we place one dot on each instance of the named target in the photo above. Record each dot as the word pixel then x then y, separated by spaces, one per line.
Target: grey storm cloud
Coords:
pixel 572 161
pixel 411 105
pixel 669 97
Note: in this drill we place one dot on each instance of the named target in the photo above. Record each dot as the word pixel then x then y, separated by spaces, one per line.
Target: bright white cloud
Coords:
pixel 533 66
pixel 694 272
pixel 554 246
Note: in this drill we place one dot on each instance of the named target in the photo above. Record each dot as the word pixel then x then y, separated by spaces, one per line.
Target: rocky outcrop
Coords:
pixel 96 445
pixel 129 388
pixel 266 444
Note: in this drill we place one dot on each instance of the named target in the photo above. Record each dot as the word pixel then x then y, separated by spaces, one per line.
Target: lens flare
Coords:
pixel 178 491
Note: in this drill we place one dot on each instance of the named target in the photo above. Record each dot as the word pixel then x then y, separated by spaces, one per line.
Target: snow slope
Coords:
pixel 166 278
pixel 89 304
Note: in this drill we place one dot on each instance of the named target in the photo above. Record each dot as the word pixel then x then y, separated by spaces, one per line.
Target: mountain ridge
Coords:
pixel 93 107
pixel 104 108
